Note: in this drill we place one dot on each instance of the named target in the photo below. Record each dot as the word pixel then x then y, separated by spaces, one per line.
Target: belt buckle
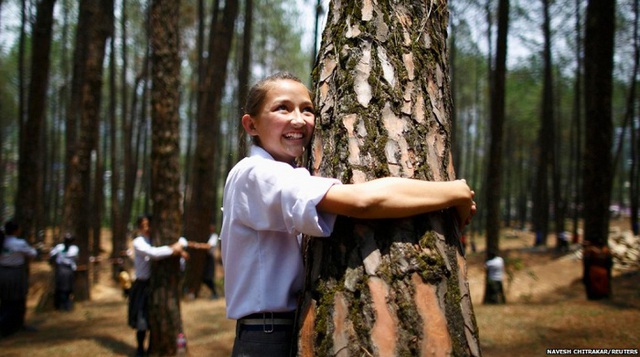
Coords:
pixel 265 329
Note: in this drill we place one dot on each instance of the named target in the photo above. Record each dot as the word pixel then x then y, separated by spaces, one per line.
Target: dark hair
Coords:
pixel 258 91
pixel 141 218
pixel 1 240
pixel 11 227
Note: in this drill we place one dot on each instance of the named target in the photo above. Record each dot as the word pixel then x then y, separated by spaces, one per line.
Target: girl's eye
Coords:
pixel 309 110
pixel 281 107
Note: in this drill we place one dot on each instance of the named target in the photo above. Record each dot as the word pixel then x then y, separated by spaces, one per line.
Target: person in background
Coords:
pixel 494 293
pixel 14 279
pixel 268 203
pixel 64 257
pixel 138 313
pixel 597 263
pixel 209 272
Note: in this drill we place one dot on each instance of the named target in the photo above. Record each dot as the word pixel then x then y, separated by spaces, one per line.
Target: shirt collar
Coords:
pixel 258 151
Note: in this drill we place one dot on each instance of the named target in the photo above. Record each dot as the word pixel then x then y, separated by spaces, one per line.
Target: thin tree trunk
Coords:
pixel 117 233
pixel 494 169
pixel 164 301
pixel 576 143
pixel 244 75
pixel 634 170
pixel 205 159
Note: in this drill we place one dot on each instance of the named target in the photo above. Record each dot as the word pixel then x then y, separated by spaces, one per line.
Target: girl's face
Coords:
pixel 145 227
pixel 285 122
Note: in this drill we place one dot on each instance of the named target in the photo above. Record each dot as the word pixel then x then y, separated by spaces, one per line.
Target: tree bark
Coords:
pixel 385 287
pixel 244 75
pixel 494 169
pixel 598 62
pixel 29 200
pixel 164 301
pixel 597 170
pixel 95 25
pixel 200 210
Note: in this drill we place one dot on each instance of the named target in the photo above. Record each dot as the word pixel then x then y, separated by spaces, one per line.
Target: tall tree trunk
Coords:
pixel 164 302
pixel 597 174
pixel 634 170
pixel 117 234
pixel 194 96
pixel 29 200
pixel 576 131
pixel 545 139
pixel 494 171
pixel 630 113
pixel 95 25
pixel 244 74
pixel 22 72
pixel 200 209
pixel 598 61
pixel 385 287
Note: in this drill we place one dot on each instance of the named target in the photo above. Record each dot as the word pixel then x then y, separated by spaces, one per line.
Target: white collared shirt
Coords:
pixel 14 251
pixel 267 205
pixel 145 253
pixel 65 257
pixel 495 268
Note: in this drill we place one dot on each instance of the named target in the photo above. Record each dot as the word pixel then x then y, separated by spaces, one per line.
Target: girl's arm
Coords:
pixel 394 197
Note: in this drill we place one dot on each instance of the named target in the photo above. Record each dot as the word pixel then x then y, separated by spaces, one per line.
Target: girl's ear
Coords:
pixel 248 125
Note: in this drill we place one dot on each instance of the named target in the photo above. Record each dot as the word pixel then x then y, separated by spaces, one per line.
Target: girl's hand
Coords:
pixel 468 207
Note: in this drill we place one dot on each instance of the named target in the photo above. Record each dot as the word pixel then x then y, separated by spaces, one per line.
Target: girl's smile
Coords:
pixel 285 122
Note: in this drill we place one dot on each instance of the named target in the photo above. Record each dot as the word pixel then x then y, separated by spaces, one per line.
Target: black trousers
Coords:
pixel 268 339
pixel 253 341
pixel 12 314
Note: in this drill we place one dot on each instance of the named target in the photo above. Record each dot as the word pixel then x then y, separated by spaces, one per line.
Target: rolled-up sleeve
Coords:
pixel 299 207
pixel 279 197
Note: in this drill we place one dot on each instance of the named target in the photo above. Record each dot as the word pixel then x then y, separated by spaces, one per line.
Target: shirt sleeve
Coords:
pixel 26 249
pixel 147 250
pixel 279 197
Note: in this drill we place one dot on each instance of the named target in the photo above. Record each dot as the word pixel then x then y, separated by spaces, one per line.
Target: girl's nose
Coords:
pixel 297 119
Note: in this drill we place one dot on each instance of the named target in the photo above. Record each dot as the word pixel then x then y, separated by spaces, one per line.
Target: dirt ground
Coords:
pixel 546 308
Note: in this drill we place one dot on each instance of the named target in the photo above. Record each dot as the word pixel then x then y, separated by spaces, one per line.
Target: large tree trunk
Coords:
pixel 95 25
pixel 164 302
pixel 598 62
pixel 200 210
pixel 30 197
pixel 385 287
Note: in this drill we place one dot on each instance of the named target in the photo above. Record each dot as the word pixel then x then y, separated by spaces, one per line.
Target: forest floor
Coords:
pixel 546 309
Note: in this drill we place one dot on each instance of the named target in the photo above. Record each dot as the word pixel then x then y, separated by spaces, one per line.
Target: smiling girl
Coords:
pixel 269 203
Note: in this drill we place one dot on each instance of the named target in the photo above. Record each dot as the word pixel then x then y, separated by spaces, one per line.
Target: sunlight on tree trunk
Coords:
pixel 385 287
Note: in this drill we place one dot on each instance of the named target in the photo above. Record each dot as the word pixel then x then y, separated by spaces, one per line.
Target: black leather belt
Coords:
pixel 268 321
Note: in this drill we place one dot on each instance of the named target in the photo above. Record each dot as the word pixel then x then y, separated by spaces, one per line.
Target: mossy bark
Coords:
pixel 385 287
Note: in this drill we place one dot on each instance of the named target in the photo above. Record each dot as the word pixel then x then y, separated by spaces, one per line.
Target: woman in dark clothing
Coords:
pixel 14 283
